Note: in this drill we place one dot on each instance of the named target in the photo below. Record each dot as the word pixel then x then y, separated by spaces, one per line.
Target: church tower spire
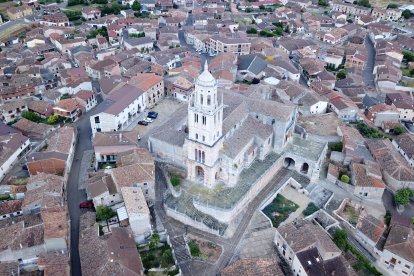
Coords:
pixel 205 126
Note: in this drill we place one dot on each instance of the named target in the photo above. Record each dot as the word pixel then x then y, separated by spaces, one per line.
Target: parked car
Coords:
pixel 148 120
pixel 152 115
pixel 86 204
pixel 143 123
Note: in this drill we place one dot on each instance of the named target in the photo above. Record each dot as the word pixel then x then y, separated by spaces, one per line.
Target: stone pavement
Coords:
pixel 258 239
pixel 85 165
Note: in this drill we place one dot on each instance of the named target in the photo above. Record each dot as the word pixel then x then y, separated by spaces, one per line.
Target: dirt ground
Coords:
pixel 209 251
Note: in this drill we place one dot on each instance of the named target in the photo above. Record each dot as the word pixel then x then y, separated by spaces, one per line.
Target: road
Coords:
pixel 229 245
pixel 74 195
pixel 367 74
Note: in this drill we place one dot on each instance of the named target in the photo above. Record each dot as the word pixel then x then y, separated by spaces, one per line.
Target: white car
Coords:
pixel 148 120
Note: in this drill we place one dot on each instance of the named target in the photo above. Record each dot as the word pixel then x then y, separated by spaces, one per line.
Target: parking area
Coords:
pixel 165 108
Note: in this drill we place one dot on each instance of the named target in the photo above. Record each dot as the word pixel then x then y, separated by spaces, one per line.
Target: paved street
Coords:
pixel 367 74
pixel 74 195
pixel 230 245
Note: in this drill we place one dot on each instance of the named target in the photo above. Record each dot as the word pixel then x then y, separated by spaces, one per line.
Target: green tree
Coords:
pixel 340 239
pixel 251 31
pixel 364 3
pixel 175 180
pixel 323 3
pixel 345 178
pixel 399 130
pixel 104 213
pixel 402 196
pixel 406 14
pixel 166 258
pixel 261 7
pixel 53 119
pixel 341 75
pixel 31 116
pixel 409 56
pixel 136 6
pixel 392 6
pixel 154 241
pixel 175 6
pixel 279 31
pixel 310 209
pixel 194 248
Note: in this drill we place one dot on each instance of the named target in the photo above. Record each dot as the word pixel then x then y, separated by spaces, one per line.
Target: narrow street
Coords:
pixel 74 195
pixel 367 74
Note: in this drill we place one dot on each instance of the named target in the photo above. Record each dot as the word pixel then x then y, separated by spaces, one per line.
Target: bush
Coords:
pixel 392 6
pixel 345 178
pixel 310 209
pixel 101 232
pixel 104 213
pixel 73 15
pixel 406 14
pixel 402 196
pixel 54 119
pixel 154 241
pixel 341 75
pixel 336 146
pixel 409 56
pixel 4 197
pixel 364 3
pixel 31 116
pixel 175 180
pixel 340 239
pixel 194 248
pixel 399 130
pixel 387 218
pixel 251 31
pixel 323 3
pixel 368 132
pixel 166 258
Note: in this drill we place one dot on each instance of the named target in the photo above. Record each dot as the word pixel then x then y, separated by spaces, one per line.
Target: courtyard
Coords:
pixel 280 209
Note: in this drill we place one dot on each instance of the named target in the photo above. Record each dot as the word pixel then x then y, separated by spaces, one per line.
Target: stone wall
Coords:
pixel 188 221
pixel 226 215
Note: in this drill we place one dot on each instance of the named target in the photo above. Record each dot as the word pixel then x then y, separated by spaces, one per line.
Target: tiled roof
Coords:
pixel 400 241
pixel 127 175
pixel 55 221
pixel 55 263
pixel 11 206
pixel 406 143
pixel 253 267
pixel 371 227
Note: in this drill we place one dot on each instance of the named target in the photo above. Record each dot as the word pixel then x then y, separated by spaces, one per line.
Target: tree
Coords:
pixel 409 56
pixel 392 6
pixel 341 75
pixel 175 6
pixel 166 258
pixel 136 6
pixel 261 7
pixel 402 196
pixel 399 130
pixel 104 213
pixel 406 14
pixel 53 119
pixel 345 178
pixel 251 31
pixel 323 3
pixel 154 241
pixel 340 239
pixel 364 3
pixel 279 31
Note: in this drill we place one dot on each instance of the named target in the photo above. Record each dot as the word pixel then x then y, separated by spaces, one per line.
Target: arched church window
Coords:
pixel 201 99
pixel 203 157
pixel 195 154
pixel 208 100
pixel 196 136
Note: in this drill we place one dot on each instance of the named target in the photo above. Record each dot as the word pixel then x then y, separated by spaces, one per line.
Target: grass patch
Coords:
pixel 19 181
pixel 280 209
pixel 194 248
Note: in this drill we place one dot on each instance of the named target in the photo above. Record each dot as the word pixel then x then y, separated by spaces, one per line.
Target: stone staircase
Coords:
pixel 180 249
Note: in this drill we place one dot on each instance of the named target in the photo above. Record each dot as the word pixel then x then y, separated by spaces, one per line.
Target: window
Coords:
pixel 196 136
pixel 195 154
pixel 208 99
pixel 204 120
pixel 204 138
pixel 145 183
pixel 201 99
pixel 97 120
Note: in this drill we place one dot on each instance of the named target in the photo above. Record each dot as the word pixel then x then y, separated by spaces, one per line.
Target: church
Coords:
pixel 221 132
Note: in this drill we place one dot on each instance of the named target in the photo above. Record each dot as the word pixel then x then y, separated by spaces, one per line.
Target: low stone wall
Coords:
pixel 226 215
pixel 188 221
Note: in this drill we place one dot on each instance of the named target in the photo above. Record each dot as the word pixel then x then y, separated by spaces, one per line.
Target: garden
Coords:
pixel 279 210
pixel 157 258
pixel 205 250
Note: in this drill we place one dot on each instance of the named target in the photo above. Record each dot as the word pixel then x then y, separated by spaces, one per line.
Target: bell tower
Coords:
pixel 205 126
